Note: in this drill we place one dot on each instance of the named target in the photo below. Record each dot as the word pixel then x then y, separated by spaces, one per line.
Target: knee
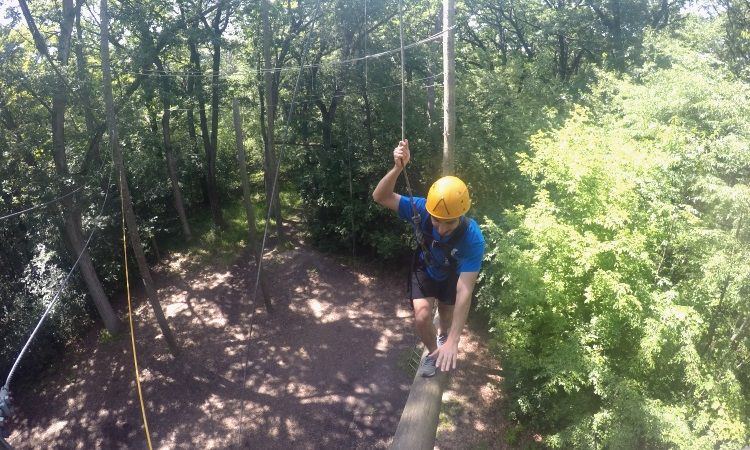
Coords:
pixel 422 316
pixel 446 312
pixel 446 317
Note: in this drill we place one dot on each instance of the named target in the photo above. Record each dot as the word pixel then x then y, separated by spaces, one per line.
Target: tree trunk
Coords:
pixel 449 86
pixel 368 122
pixel 328 115
pixel 252 240
pixel 210 151
pixel 618 43
pixel 71 209
pixel 93 155
pixel 431 80
pixel 117 157
pixel 76 243
pixel 563 49
pixel 715 317
pixel 191 118
pixel 349 152
pixel 614 27
pixel 166 132
pixel 269 153
pixel 211 158
pixel 327 134
pixel 179 203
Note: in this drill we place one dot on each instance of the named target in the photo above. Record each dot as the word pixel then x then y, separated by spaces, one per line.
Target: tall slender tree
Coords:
pixel 271 94
pixel 71 206
pixel 449 87
pixel 252 241
pixel 117 156
pixel 210 139
pixel 166 130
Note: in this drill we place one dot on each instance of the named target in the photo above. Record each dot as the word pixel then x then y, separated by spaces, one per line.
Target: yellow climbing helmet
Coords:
pixel 448 198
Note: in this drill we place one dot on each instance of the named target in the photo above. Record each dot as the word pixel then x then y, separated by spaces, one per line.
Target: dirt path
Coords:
pixel 329 369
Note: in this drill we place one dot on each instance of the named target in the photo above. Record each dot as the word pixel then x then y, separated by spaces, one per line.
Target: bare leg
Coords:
pixel 423 322
pixel 446 317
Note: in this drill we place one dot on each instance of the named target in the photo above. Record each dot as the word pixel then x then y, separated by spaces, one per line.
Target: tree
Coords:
pixel 736 19
pixel 154 50
pixel 179 204
pixel 616 292
pixel 252 241
pixel 449 86
pixel 270 94
pixel 132 225
pixel 215 29
pixel 71 207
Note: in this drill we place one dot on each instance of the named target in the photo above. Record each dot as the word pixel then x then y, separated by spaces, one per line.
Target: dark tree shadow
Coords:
pixel 321 372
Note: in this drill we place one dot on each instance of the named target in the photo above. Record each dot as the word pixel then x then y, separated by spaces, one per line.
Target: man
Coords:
pixel 455 248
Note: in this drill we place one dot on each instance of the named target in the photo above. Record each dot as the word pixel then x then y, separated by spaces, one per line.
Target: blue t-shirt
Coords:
pixel 469 249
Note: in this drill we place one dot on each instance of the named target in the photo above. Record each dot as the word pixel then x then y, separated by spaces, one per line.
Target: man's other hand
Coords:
pixel 447 355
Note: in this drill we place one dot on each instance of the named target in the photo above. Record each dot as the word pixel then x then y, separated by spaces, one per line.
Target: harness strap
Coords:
pixel 428 241
pixel 416 219
pixel 448 246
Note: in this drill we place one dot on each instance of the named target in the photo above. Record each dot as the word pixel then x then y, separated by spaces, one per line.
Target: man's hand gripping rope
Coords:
pixel 401 157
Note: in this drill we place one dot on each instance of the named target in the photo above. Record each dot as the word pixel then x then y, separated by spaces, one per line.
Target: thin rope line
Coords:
pixel 268 216
pixel 431 38
pixel 104 163
pixel 130 320
pixel 57 295
pixel 351 193
pixel 313 98
pixel 373 56
pixel 17 213
pixel 403 85
pixel 415 218
pixel 366 38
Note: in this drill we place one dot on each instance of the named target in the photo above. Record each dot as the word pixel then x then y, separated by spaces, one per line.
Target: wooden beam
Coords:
pixel 419 420
pixel 449 87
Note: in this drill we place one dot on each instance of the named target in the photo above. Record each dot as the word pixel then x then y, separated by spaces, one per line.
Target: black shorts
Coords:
pixel 422 286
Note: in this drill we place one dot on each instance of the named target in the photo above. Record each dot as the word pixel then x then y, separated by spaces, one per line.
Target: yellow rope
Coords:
pixel 130 317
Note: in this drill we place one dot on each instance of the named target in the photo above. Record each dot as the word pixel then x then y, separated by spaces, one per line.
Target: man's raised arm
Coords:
pixel 383 193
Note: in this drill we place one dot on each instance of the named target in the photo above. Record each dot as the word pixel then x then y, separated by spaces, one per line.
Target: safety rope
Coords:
pixel 155 73
pixel 366 39
pixel 17 213
pixel 415 218
pixel 56 298
pixel 130 319
pixel 351 192
pixel 403 85
pixel 55 200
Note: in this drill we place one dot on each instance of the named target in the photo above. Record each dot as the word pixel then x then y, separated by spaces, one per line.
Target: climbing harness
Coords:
pixel 416 219
pixel 423 256
pixel 448 247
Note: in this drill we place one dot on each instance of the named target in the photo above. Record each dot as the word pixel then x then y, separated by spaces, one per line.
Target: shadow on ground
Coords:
pixel 321 372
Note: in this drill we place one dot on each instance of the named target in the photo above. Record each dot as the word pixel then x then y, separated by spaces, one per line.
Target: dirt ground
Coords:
pixel 328 369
